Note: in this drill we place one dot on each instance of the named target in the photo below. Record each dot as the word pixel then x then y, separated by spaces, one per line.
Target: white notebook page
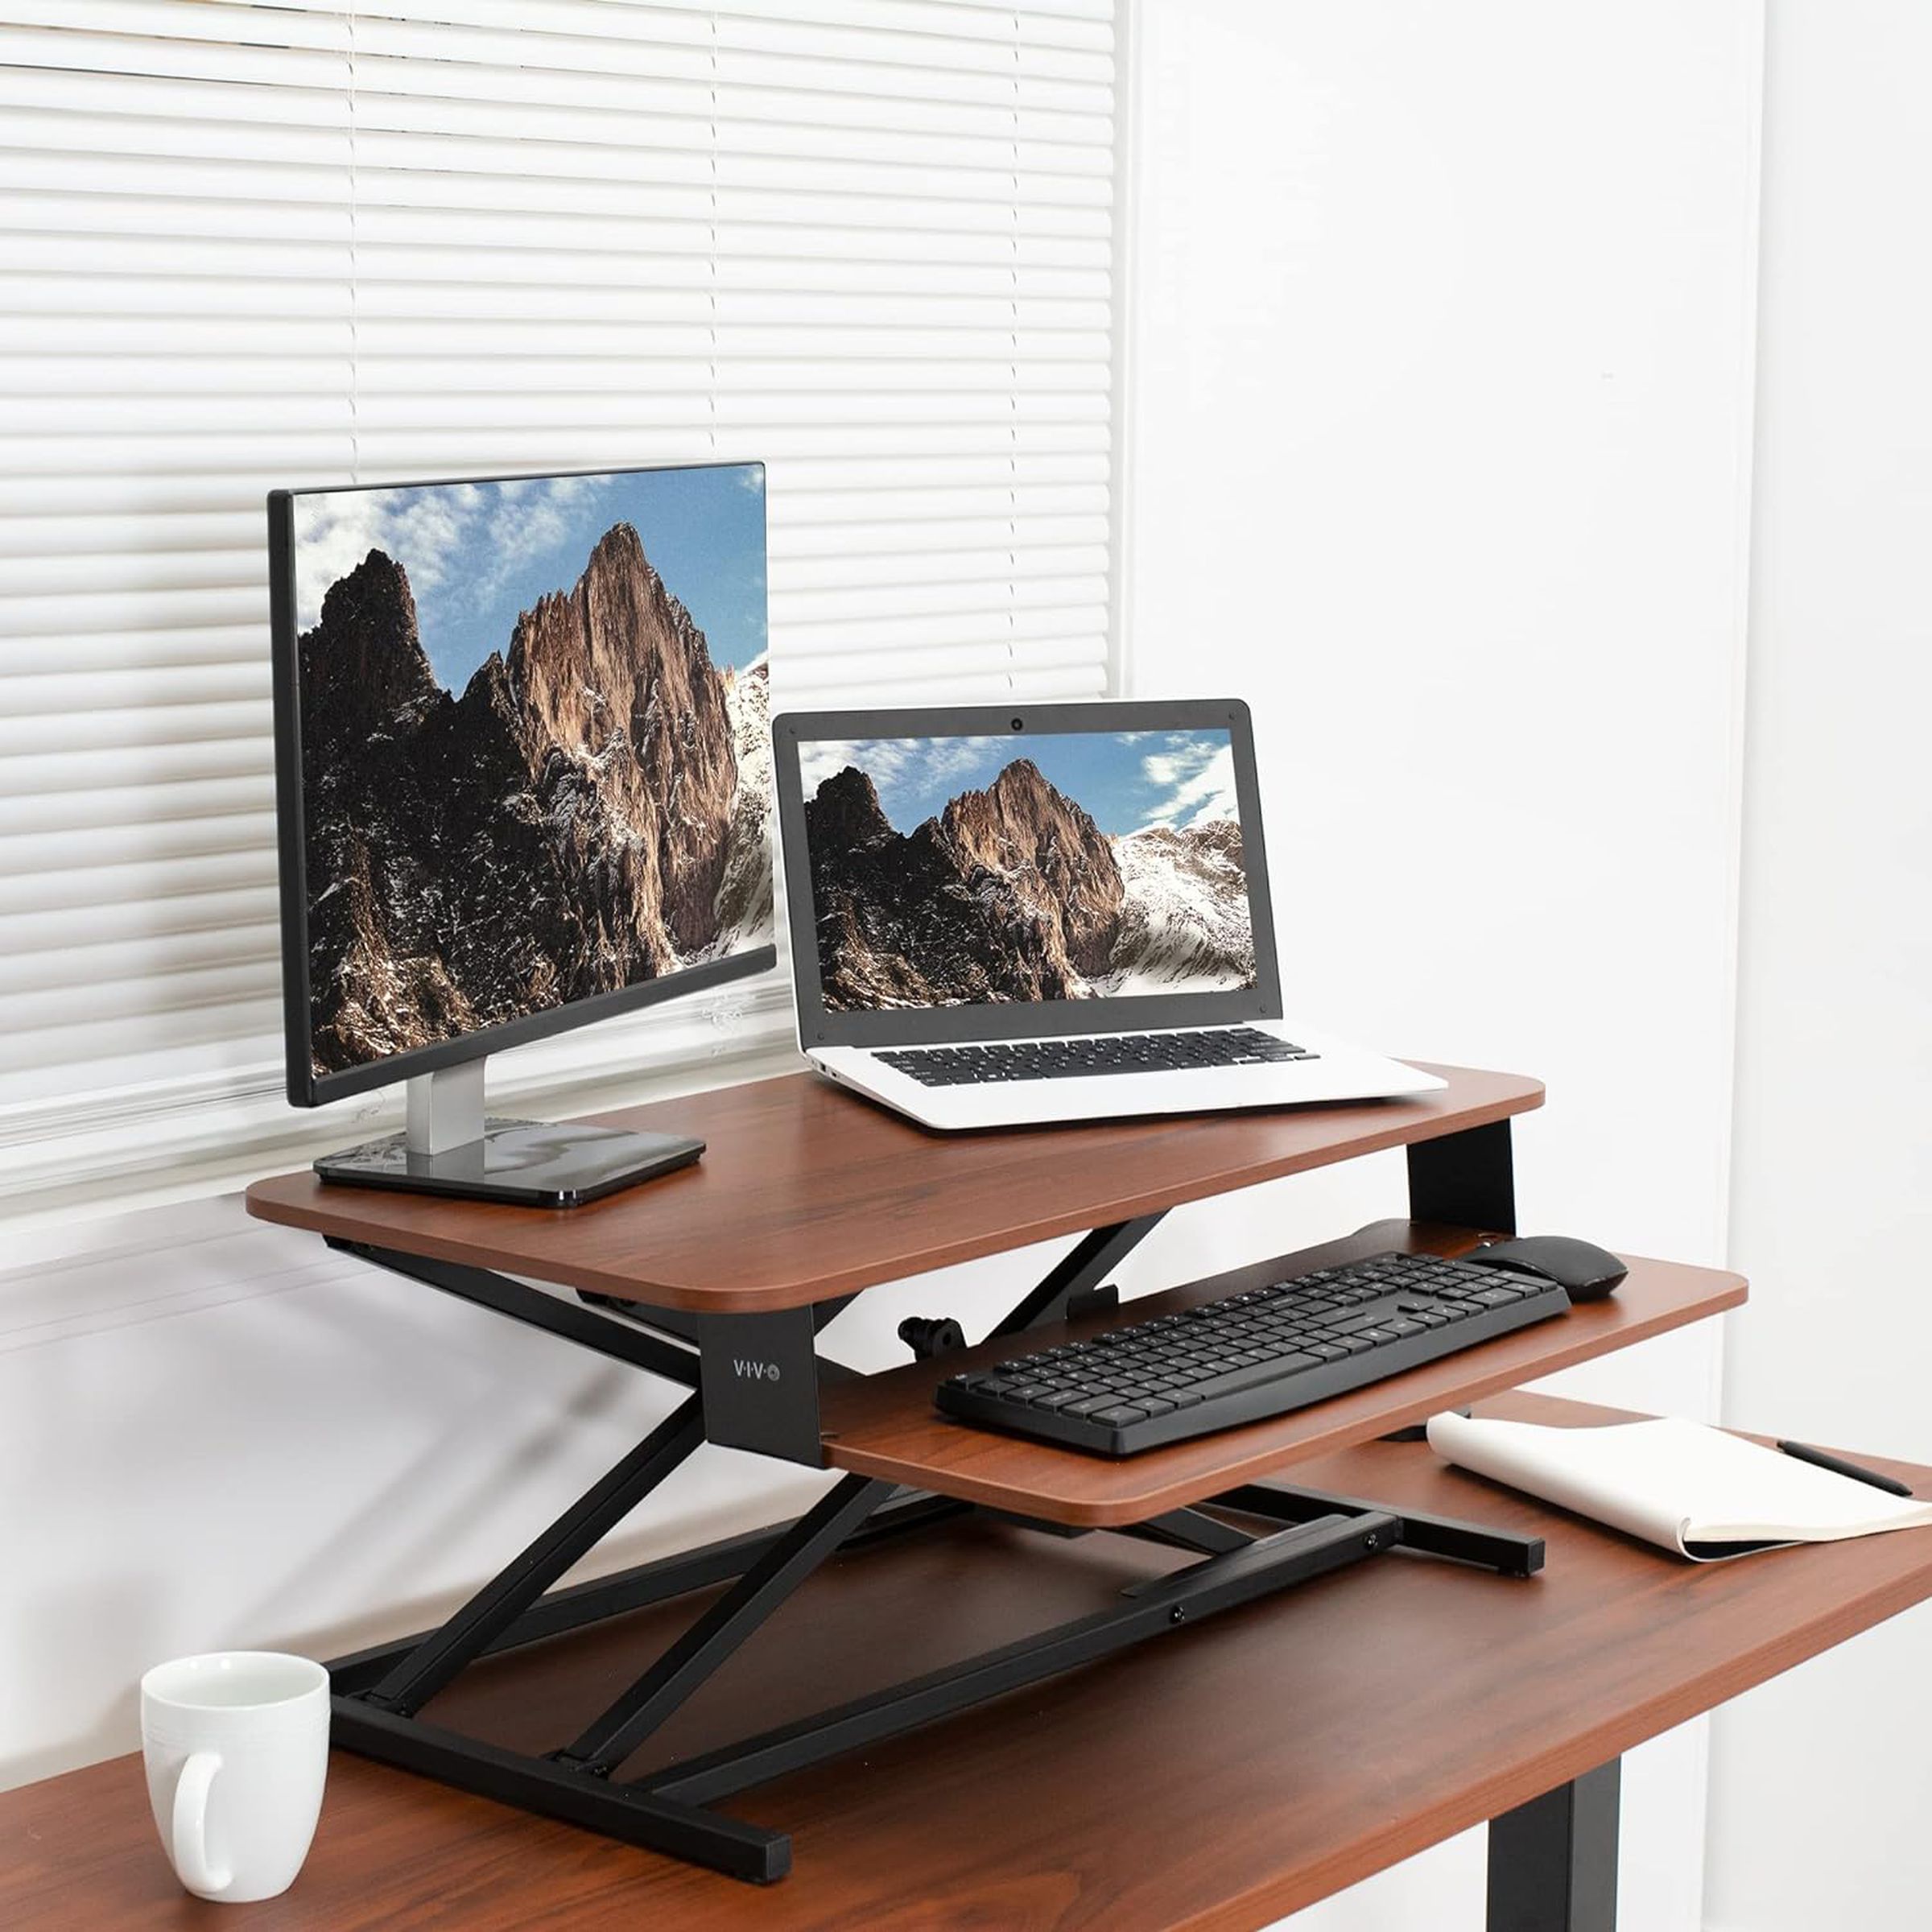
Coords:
pixel 1697 1491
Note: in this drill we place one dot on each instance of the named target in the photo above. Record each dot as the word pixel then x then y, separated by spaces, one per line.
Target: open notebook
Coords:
pixel 1697 1491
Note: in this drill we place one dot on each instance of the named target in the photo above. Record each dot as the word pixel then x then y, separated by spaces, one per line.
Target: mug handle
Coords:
pixel 190 1834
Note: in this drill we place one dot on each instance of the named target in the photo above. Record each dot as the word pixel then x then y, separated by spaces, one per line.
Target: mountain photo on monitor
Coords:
pixel 534 751
pixel 971 870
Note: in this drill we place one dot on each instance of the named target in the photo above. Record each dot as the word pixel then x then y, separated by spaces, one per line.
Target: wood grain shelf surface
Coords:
pixel 806 1192
pixel 1221 1778
pixel 887 1425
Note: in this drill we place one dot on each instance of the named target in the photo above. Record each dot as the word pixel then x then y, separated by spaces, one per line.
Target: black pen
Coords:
pixel 1839 1466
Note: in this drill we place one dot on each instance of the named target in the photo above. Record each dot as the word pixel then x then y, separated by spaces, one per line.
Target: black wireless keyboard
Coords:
pixel 1253 1355
pixel 982 1065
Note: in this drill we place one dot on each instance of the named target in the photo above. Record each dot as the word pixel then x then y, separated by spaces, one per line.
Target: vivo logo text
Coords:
pixel 754 1371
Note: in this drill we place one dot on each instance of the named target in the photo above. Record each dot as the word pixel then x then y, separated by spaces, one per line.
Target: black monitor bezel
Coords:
pixel 305 1087
pixel 900 1027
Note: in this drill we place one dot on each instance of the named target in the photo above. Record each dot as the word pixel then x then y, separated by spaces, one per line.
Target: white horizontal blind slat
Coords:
pixel 868 242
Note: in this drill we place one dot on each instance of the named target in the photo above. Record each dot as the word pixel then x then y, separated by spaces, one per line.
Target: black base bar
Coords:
pixel 1147 1609
pixel 1322 1535
pixel 378 1694
pixel 534 1784
pixel 1553 1861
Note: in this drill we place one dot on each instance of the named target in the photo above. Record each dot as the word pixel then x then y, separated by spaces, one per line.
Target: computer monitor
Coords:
pixel 523 782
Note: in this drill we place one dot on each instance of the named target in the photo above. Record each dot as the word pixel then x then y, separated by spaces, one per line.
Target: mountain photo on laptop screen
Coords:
pixel 1070 865
pixel 535 754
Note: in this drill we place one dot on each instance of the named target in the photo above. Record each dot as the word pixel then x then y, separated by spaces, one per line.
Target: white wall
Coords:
pixel 215 1433
pixel 1441 364
pixel 1821 1780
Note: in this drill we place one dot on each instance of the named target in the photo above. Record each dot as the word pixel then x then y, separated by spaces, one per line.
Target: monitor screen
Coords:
pixel 1065 865
pixel 534 765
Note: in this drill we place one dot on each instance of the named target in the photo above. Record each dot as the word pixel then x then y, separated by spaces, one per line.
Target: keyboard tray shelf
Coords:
pixel 885 1426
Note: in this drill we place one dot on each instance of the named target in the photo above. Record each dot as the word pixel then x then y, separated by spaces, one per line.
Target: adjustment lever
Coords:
pixel 927 1335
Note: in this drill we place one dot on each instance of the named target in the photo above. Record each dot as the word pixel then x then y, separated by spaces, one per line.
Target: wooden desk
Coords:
pixel 722 1274
pixel 1221 1779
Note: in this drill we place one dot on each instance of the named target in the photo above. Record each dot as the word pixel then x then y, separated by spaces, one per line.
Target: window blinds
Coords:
pixel 868 241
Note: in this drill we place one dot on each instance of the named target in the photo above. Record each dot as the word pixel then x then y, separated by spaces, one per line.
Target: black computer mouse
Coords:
pixel 1587 1271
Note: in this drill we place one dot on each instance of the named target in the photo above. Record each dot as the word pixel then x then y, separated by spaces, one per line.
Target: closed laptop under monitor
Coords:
pixel 522 783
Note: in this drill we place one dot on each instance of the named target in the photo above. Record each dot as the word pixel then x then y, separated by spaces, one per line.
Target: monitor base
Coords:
pixel 523 1163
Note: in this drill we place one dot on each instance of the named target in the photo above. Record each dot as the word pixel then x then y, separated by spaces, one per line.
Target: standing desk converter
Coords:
pixel 719 1278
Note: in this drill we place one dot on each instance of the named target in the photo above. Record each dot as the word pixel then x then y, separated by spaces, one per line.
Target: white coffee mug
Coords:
pixel 237 1747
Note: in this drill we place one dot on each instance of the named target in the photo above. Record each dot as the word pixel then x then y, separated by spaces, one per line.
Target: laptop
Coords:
pixel 1053 912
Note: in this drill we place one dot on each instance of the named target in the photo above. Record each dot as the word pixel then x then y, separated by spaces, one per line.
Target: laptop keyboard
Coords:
pixel 997 1061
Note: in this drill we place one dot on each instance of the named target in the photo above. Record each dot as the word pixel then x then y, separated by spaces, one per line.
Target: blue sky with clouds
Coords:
pixel 1125 780
pixel 478 554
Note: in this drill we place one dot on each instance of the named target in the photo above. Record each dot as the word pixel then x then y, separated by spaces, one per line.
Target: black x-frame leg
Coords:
pixel 379 1695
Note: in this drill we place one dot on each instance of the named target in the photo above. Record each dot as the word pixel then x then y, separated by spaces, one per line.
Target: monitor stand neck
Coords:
pixel 445 1109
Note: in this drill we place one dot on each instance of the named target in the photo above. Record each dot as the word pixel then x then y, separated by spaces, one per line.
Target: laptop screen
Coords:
pixel 1041 866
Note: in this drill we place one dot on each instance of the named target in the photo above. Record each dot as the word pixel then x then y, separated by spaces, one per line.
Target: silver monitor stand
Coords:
pixel 450 1146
